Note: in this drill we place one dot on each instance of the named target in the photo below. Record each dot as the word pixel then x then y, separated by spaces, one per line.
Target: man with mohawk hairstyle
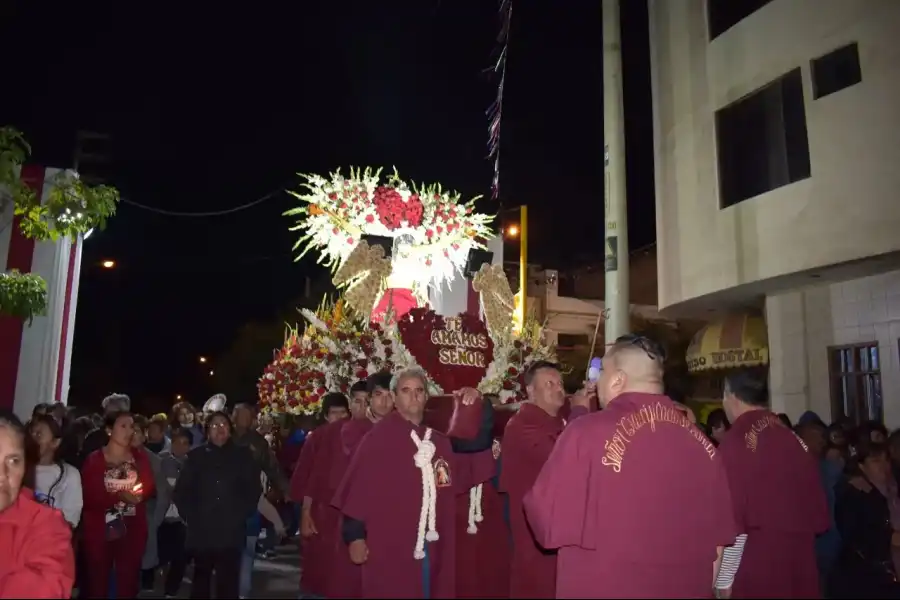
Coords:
pixel 598 498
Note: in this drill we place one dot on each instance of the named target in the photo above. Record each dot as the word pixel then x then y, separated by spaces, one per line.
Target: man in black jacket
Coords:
pixel 217 491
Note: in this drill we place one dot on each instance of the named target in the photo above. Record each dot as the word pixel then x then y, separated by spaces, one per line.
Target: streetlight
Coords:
pixel 203 359
pixel 211 373
pixel 512 231
pixel 178 396
pixel 108 264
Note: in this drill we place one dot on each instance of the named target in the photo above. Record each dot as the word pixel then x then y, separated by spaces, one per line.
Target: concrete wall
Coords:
pixel 845 211
pixel 804 323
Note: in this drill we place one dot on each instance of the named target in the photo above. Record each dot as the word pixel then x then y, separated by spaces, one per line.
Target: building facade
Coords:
pixel 776 150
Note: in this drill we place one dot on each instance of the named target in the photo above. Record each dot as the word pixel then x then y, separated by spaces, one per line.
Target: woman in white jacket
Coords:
pixel 56 483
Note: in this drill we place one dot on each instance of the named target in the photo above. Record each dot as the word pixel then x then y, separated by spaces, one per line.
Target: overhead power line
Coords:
pixel 215 213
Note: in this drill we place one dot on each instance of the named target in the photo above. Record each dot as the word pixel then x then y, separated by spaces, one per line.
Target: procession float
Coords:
pixel 389 245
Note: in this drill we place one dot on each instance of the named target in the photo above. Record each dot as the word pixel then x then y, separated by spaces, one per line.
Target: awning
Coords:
pixel 737 340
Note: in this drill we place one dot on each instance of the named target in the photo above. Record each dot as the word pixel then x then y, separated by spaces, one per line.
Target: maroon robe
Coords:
pixel 779 503
pixel 482 558
pixel 636 499
pixel 382 488
pixel 353 433
pixel 527 442
pixel 501 419
pixel 340 577
pixel 311 552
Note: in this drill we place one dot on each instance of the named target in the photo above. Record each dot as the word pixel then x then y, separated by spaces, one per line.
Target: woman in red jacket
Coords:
pixel 36 559
pixel 115 482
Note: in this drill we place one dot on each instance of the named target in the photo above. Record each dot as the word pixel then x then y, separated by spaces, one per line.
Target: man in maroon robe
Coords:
pixel 527 442
pixel 398 500
pixel 635 497
pixel 340 578
pixel 313 551
pixel 380 403
pixel 359 399
pixel 779 502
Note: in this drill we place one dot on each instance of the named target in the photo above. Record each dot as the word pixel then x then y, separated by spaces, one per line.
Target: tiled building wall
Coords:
pixel 802 326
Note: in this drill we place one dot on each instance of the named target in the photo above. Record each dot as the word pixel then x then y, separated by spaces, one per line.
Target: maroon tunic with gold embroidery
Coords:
pixel 779 503
pixel 636 499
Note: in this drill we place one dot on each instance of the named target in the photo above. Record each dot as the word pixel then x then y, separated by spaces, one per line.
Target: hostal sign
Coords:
pixel 736 357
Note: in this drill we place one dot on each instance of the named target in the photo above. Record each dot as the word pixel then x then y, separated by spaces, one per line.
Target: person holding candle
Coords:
pixel 116 481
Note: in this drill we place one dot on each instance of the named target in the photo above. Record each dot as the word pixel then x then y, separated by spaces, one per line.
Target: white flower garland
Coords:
pixel 337 210
pixel 475 510
pixel 425 451
pixel 506 355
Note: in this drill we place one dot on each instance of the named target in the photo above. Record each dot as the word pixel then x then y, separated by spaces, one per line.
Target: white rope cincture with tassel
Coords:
pixel 428 515
pixel 475 510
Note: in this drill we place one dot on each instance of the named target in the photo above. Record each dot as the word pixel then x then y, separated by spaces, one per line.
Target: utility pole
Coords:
pixel 616 302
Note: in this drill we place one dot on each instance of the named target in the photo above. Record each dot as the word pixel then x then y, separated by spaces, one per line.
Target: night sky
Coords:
pixel 213 109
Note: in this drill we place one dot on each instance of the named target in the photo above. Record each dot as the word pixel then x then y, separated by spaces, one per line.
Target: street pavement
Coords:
pixel 275 578
pixel 279 577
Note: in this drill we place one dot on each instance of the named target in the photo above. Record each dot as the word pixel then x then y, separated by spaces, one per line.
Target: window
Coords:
pixel 855 383
pixel 722 15
pixel 836 70
pixel 761 141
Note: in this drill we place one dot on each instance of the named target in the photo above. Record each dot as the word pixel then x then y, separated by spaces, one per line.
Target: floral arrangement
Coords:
pixel 513 354
pixel 338 348
pixel 337 211
pixel 334 351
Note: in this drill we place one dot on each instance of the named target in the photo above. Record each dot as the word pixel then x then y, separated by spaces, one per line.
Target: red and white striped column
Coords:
pixel 35 359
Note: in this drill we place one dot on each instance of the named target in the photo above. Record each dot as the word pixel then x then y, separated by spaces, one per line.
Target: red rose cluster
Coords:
pixel 290 385
pixel 392 210
pixel 296 376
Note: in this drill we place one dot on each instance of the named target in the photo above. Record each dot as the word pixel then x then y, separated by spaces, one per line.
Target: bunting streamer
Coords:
pixel 495 112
